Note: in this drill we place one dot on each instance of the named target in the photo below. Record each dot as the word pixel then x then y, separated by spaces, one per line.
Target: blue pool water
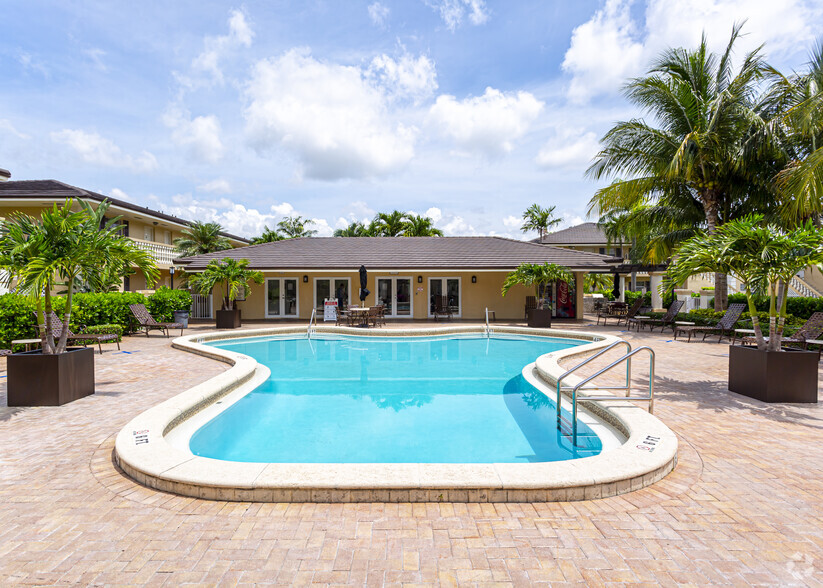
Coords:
pixel 393 400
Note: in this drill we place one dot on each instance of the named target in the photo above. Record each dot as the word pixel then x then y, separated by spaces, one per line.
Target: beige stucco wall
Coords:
pixel 475 297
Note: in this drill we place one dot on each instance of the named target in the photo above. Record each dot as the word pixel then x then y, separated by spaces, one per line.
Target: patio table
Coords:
pixel 816 342
pixel 640 320
pixel 742 334
pixel 360 315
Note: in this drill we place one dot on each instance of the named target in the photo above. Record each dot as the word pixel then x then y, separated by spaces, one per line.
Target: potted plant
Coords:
pixel 63 247
pixel 765 257
pixel 539 277
pixel 233 275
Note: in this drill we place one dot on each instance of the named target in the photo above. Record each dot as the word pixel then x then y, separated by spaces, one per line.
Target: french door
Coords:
pixel 448 287
pixel 395 294
pixel 281 298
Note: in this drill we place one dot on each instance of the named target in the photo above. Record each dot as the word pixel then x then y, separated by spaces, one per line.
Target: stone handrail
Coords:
pixel 161 252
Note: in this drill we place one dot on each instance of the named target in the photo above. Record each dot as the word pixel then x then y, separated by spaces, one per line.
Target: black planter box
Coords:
pixel 540 318
pixel 228 319
pixel 773 376
pixel 35 379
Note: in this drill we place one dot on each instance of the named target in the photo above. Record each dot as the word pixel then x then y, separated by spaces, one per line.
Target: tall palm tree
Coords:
pixel 693 153
pixel 539 219
pixel 355 229
pixel 794 106
pixel 389 224
pixel 420 226
pixel 200 237
pixel 268 236
pixel 293 227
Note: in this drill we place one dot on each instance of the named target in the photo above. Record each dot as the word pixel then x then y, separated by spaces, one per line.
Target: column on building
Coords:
pixel 655 281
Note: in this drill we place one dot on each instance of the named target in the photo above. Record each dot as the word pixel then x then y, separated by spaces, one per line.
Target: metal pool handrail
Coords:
pixel 586 361
pixel 487 323
pixel 627 358
pixel 313 319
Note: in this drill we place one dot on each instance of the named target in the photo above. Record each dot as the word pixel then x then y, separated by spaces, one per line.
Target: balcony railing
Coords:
pixel 162 253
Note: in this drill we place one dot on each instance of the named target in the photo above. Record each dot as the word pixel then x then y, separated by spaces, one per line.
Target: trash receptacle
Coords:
pixel 182 316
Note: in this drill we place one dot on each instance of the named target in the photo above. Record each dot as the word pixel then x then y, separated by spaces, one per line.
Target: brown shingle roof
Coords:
pixel 582 234
pixel 53 189
pixel 402 253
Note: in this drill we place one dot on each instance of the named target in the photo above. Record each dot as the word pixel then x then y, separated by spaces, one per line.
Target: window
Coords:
pixel 602 251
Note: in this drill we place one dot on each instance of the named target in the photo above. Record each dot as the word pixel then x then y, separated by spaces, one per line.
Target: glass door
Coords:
pixel 281 298
pixel 395 294
pixel 448 287
pixel 385 294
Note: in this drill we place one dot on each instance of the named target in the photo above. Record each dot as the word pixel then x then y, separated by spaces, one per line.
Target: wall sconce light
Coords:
pixel 474 279
pixel 305 279
pixel 419 279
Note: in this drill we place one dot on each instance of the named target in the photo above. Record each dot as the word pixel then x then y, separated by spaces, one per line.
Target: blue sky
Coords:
pixel 467 110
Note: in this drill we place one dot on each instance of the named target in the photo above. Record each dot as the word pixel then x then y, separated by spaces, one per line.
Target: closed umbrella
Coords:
pixel 364 280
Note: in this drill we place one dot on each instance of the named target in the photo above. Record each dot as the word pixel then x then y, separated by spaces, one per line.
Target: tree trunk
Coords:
pixel 721 287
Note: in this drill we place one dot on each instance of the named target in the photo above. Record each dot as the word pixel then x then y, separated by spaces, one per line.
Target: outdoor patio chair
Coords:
pixel 811 329
pixel 632 311
pixel 531 304
pixel 441 307
pixel 377 315
pixel 147 322
pixel 343 318
pixel 724 328
pixel 668 319
pixel 83 339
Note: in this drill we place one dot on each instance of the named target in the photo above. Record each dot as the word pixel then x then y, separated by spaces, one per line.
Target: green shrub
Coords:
pixel 704 316
pixel 608 294
pixel 631 296
pixel 798 306
pixel 165 301
pixel 16 319
pixel 105 308
pixel 106 329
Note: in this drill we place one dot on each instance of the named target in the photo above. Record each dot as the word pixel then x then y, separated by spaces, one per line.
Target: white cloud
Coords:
pixel 456 225
pixel 603 51
pixel 378 13
pixel 487 124
pixel 32 63
pixel 92 148
pixel 512 222
pixel 613 46
pixel 569 219
pixel 322 226
pixel 206 66
pixel 233 217
pixel 434 213
pixel 6 125
pixel 199 136
pixel 454 12
pixel 568 148
pixel 119 194
pixel 405 77
pixel 332 117
pixel 218 186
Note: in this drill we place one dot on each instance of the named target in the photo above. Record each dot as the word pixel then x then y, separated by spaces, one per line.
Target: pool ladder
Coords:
pixel 627 387
pixel 312 321
pixel 488 330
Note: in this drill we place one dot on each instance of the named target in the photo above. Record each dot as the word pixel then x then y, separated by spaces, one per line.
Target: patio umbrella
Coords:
pixel 364 280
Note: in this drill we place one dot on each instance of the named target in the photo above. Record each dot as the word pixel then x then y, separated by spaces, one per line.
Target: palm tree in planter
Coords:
pixel 234 275
pixel 765 257
pixel 534 275
pixel 64 247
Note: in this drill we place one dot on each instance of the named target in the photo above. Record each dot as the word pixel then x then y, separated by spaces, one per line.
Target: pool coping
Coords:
pixel 144 453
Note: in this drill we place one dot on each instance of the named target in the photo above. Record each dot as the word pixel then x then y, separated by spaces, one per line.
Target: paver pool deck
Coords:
pixel 744 505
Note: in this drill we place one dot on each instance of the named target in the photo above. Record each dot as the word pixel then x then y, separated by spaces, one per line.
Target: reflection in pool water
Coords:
pixel 393 400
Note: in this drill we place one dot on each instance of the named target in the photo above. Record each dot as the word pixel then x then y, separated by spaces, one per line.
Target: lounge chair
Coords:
pixel 724 328
pixel 531 304
pixel 811 329
pixel 668 319
pixel 441 307
pixel 4 352
pixel 147 322
pixel 83 339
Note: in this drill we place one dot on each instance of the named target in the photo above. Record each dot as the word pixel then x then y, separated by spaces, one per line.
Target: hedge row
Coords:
pixel 92 310
pixel 798 306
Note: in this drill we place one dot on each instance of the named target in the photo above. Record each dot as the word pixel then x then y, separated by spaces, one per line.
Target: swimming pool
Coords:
pixel 354 399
